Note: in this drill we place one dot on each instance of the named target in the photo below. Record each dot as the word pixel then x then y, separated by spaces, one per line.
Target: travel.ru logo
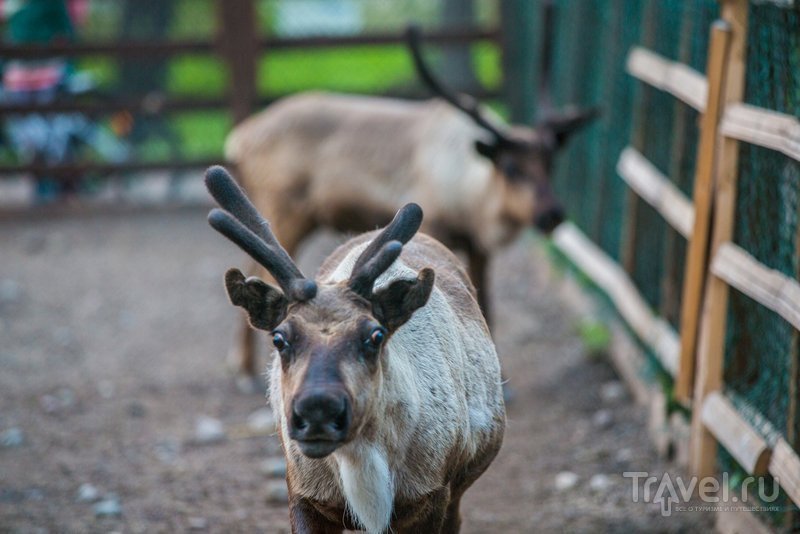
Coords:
pixel 673 493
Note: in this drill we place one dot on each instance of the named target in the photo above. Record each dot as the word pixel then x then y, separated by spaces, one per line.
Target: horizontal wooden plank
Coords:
pixel 735 434
pixel 105 169
pixel 156 104
pixel 680 81
pixel 766 286
pixel 763 127
pixel 654 331
pixel 157 49
pixel 785 467
pixel 657 190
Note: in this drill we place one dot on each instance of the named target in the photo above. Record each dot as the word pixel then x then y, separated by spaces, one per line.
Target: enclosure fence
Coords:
pixel 207 64
pixel 685 208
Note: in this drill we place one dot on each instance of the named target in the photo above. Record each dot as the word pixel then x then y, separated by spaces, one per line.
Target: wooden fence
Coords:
pixel 237 43
pixel 694 354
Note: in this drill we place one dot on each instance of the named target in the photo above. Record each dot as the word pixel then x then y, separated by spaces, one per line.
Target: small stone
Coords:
pixel 612 391
pixel 88 493
pixel 12 437
pixel 624 455
pixel 277 492
pixel 58 402
pixel 106 389
pixel 126 319
pixel 566 480
pixel 250 385
pixel 34 494
pixel 136 409
pixel 261 421
pixel 274 467
pixel 10 291
pixel 108 507
pixel 209 430
pixel 599 483
pixel 167 451
pixel 602 419
pixel 198 523
pixel 64 336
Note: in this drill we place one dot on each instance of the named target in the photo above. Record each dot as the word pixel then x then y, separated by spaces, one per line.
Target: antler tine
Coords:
pixel 243 225
pixel 464 102
pixel 296 288
pixel 233 199
pixel 361 282
pixel 385 248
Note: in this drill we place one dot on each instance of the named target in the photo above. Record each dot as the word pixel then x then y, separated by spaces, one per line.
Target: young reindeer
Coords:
pixel 385 381
pixel 349 162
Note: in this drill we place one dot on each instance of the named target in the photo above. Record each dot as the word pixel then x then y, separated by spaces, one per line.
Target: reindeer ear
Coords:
pixel 265 305
pixel 569 122
pixel 487 150
pixel 395 304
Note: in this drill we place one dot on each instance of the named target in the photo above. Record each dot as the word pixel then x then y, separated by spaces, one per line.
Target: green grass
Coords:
pixel 203 132
pixel 197 76
pixel 374 69
pixel 358 69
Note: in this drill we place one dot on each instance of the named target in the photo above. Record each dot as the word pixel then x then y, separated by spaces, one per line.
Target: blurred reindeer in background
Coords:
pixel 350 162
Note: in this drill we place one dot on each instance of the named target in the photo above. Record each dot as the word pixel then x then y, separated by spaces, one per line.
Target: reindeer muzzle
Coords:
pixel 548 219
pixel 320 421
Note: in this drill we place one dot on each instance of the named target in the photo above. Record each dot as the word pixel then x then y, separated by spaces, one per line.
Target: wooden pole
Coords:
pixel 641 100
pixel 669 304
pixel 715 307
pixel 238 42
pixel 520 26
pixel 697 259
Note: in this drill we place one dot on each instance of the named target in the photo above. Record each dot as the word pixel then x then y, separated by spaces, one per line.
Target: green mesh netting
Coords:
pixel 662 128
pixel 761 348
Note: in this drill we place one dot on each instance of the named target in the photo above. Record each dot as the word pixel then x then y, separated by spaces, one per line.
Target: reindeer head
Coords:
pixel 522 156
pixel 330 338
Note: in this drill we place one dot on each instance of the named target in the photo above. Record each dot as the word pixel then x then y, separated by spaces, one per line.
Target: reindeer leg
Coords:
pixel 478 266
pixel 306 519
pixel 435 510
pixel 452 518
pixel 478 272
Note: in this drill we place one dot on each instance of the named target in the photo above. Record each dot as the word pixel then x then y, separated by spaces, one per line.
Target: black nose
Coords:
pixel 320 415
pixel 547 220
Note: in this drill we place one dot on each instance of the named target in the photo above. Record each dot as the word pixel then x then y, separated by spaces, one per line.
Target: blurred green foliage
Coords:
pixel 357 69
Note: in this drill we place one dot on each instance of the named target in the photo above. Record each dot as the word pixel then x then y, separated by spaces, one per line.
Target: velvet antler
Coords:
pixel 384 249
pixel 464 102
pixel 242 224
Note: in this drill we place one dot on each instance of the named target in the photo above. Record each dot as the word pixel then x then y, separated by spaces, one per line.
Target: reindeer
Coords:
pixel 385 380
pixel 349 162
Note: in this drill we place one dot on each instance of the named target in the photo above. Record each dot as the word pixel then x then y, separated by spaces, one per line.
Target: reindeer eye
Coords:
pixel 279 341
pixel 376 337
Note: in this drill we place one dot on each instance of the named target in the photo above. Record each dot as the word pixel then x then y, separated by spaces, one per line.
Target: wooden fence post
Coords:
pixel 641 100
pixel 715 307
pixel 238 42
pixel 520 28
pixel 673 240
pixel 697 258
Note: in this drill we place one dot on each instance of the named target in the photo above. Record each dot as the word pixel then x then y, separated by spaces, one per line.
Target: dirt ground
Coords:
pixel 113 334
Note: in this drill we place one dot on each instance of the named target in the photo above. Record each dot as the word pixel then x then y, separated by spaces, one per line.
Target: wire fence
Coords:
pixel 594 39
